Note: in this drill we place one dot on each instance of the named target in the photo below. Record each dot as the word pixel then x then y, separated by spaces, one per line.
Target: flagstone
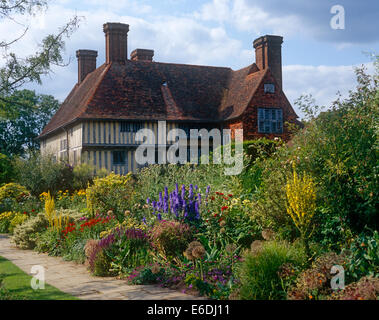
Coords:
pixel 74 278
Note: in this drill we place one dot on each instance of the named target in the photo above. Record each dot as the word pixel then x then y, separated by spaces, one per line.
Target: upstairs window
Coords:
pixel 270 120
pixel 269 88
pixel 130 126
pixel 119 157
pixel 63 144
pixel 188 126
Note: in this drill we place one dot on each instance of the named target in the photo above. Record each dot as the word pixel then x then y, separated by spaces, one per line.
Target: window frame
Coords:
pixel 123 158
pixel 132 127
pixel 269 85
pixel 270 119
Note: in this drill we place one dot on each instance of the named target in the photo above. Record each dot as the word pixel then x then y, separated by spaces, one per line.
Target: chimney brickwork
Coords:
pixel 116 42
pixel 268 54
pixel 142 55
pixel 86 63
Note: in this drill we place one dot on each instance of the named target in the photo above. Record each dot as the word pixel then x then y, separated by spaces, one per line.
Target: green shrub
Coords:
pixel 26 234
pixel 127 249
pixel 6 169
pixel 5 220
pixel 84 174
pixel 11 194
pixel 364 256
pixel 102 265
pixel 259 272
pixel 43 173
pixel 153 179
pixel 339 149
pixel 49 241
pixel 18 219
pixel 112 192
pixel 270 200
pixel 171 238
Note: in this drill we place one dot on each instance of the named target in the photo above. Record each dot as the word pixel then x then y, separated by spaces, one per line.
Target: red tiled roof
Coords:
pixel 139 90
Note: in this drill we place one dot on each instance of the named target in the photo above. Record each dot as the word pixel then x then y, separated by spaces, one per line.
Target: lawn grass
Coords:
pixel 15 285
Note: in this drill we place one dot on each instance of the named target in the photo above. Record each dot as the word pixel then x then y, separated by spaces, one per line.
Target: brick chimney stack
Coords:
pixel 268 54
pixel 116 42
pixel 86 63
pixel 142 55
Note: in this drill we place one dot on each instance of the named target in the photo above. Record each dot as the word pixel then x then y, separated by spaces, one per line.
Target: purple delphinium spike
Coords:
pixel 144 220
pixel 190 192
pixel 197 210
pixel 159 216
pixel 148 200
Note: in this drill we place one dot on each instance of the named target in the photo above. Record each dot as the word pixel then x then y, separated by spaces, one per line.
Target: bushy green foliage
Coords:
pixel 259 272
pixel 112 192
pixel 126 249
pixel 338 148
pixel 26 234
pixel 11 195
pixel 5 220
pixel 20 127
pixel 42 173
pixel 364 256
pixel 83 175
pixel 102 265
pixel 18 219
pixel 6 169
pixel 153 179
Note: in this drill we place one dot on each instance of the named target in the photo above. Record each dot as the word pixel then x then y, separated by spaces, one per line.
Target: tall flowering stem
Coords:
pixel 301 204
pixel 181 204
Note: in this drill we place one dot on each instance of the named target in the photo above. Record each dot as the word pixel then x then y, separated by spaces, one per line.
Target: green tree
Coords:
pixel 21 126
pixel 6 169
pixel 17 71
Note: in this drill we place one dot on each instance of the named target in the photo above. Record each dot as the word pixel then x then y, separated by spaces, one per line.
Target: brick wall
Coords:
pixel 249 119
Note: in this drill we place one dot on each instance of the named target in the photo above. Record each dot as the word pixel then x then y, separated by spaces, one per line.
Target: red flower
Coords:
pixel 212 198
pixel 230 195
pixel 25 212
pixel 224 208
pixel 33 210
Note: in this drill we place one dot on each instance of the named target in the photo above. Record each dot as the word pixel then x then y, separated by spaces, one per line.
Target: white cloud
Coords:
pixel 247 17
pixel 185 39
pixel 323 82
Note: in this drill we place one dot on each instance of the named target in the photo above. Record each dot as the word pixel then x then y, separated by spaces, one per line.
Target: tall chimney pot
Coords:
pixel 116 42
pixel 268 54
pixel 86 63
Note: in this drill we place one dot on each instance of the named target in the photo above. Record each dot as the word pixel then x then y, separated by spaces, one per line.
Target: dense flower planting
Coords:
pixel 273 232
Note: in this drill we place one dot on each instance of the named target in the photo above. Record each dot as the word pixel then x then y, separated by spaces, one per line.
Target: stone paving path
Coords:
pixel 74 278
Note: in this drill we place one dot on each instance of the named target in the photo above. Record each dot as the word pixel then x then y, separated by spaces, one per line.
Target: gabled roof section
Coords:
pixel 75 103
pixel 241 89
pixel 139 90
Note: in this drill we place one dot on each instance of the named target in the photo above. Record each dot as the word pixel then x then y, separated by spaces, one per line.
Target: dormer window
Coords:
pixel 269 88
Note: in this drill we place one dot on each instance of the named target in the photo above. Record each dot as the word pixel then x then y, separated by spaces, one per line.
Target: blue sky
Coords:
pixel 316 58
